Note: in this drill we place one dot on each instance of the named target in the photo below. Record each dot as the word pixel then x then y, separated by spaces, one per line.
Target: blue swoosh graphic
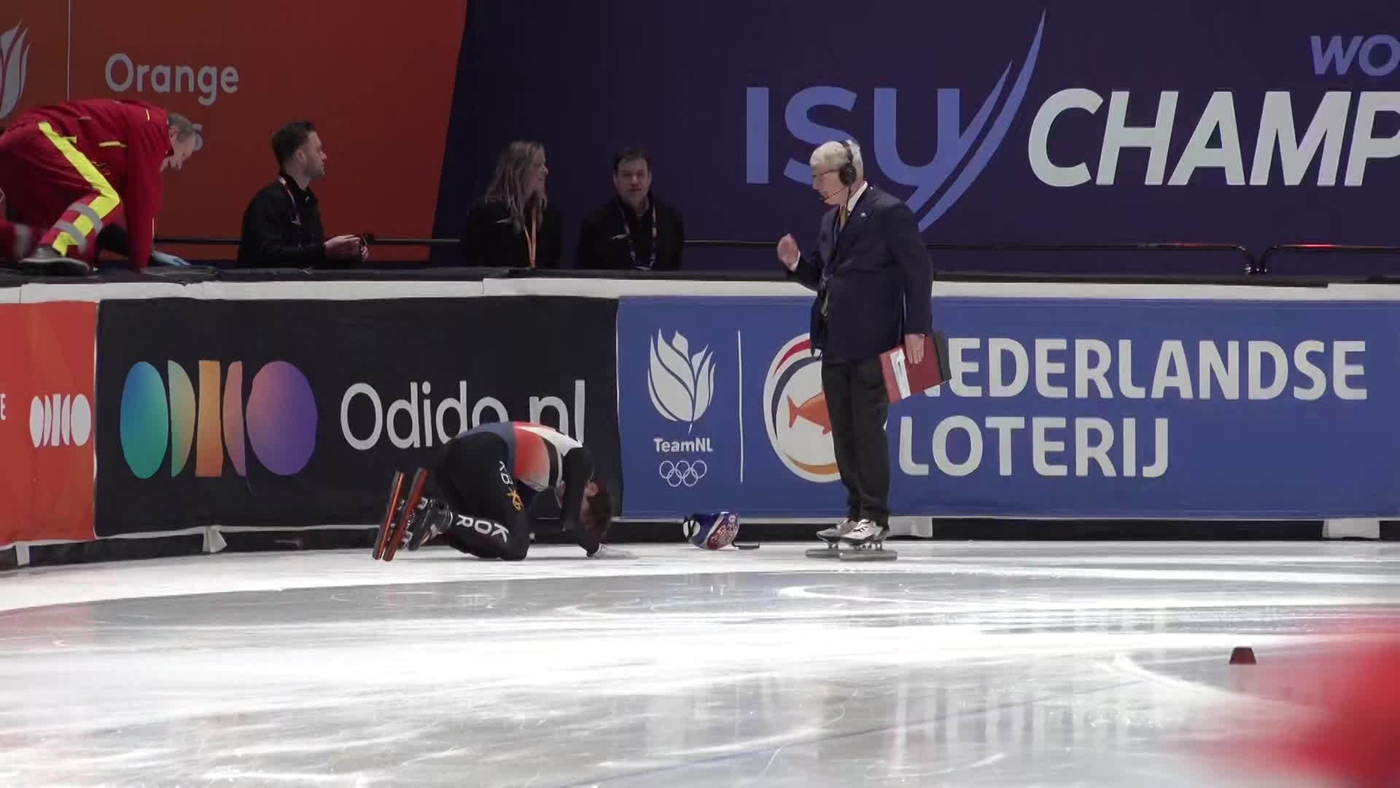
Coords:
pixel 992 141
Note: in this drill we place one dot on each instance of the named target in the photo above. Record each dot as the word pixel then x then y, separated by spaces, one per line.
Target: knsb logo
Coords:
pixel 280 419
pixel 60 420
pixel 961 155
pixel 14 67
pixel 682 386
pixel 795 415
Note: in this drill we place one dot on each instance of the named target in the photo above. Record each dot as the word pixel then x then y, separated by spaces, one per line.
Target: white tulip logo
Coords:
pixel 681 385
pixel 14 66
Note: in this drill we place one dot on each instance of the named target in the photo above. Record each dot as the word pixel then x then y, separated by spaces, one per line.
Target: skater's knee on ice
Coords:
pixel 515 549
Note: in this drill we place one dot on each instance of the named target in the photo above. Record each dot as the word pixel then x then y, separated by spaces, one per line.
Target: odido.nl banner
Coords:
pixel 293 413
pixel 1065 407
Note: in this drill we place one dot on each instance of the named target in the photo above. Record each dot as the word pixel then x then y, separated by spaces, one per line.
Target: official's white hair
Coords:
pixel 832 155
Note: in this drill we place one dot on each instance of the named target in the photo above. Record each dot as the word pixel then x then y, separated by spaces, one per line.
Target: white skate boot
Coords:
pixel 832 537
pixel 867 543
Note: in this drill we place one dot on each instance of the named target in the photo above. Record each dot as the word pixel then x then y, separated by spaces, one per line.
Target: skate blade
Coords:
pixel 386 523
pixel 823 552
pixel 868 555
pixel 415 495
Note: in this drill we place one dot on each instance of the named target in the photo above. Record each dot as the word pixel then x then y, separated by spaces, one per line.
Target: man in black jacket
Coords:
pixel 282 225
pixel 634 230
pixel 873 279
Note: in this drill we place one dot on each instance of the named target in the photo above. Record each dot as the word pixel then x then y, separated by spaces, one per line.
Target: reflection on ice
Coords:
pixel 992 663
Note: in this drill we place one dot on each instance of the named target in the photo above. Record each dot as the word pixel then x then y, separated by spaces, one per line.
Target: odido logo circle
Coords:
pixel 795 415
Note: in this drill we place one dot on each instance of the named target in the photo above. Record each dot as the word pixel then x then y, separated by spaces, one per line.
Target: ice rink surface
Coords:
pixel 991 663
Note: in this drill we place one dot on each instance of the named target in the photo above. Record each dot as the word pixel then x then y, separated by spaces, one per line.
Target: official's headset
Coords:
pixel 847 174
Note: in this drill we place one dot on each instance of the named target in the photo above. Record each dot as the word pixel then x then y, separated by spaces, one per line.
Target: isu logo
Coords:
pixel 794 412
pixel 14 67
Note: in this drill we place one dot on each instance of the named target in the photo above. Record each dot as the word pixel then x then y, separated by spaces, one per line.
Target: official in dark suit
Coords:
pixel 873 279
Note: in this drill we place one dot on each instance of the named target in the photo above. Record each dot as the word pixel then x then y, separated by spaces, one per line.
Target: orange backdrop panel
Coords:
pixel 376 80
pixel 16 448
pixel 47 428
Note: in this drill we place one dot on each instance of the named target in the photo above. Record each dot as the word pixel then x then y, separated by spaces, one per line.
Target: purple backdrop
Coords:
pixel 980 115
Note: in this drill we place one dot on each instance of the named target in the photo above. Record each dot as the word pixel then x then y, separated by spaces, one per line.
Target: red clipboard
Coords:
pixel 904 380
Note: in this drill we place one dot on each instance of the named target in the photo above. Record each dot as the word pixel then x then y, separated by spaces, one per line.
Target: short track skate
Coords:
pixel 846 549
pixel 403 501
pixel 872 549
pixel 832 549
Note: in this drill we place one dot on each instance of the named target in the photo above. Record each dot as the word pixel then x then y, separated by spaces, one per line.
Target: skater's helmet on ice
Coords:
pixel 711 530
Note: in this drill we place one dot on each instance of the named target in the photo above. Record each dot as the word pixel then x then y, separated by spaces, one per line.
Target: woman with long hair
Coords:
pixel 513 225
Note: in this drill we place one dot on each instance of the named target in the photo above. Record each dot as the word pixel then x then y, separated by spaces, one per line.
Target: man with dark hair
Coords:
pixel 478 494
pixel 69 170
pixel 282 225
pixel 634 230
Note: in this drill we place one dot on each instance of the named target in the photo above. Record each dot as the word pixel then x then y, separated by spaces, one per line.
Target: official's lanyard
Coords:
pixel 296 209
pixel 631 247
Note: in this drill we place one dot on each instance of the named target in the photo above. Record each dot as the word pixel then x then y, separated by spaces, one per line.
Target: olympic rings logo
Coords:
pixel 682 472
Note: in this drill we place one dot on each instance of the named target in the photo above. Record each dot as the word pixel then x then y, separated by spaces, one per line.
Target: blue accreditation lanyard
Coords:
pixel 631 247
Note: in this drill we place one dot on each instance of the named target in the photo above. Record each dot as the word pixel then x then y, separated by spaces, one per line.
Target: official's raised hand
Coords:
pixel 788 253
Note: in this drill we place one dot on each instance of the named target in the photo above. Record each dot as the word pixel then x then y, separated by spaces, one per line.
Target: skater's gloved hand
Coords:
pixel 608 551
pixel 161 258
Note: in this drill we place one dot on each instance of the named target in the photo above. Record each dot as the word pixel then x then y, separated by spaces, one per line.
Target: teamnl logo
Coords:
pixel 962 152
pixel 682 387
pixel 278 419
pixel 14 67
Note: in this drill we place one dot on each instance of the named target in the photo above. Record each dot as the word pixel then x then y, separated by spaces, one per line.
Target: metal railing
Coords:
pixel 715 243
pixel 1270 253
pixel 1250 266
pixel 373 241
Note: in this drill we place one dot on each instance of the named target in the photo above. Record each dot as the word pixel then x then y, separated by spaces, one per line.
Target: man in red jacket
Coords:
pixel 68 170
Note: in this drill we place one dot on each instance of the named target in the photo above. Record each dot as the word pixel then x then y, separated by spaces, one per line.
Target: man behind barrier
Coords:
pixel 634 230
pixel 69 170
pixel 479 492
pixel 282 224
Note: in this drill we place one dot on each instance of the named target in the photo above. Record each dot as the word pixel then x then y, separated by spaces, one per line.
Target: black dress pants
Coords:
pixel 857 403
